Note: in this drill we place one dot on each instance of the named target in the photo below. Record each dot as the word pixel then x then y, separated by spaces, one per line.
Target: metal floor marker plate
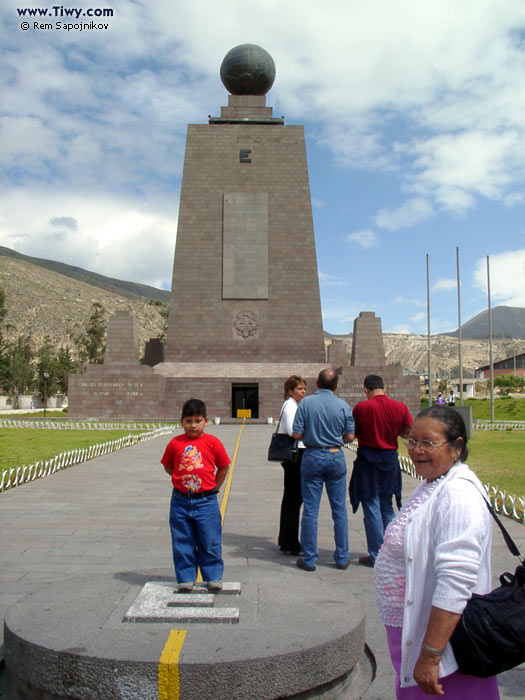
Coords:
pixel 158 601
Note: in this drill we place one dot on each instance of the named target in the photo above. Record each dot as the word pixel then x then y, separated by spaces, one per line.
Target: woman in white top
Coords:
pixel 435 554
pixel 294 391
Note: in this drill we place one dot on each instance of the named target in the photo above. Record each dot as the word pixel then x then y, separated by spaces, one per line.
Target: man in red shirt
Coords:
pixel 376 475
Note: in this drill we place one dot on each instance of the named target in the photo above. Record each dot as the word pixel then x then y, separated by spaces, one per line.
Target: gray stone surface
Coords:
pixel 84 543
pixel 245 245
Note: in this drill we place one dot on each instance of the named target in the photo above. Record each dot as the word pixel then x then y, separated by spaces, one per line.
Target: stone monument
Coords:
pixel 243 314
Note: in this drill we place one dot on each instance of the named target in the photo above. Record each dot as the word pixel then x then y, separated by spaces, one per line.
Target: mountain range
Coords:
pixel 48 298
pixel 507 322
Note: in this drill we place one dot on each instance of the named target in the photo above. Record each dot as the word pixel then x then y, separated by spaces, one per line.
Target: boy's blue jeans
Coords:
pixel 195 525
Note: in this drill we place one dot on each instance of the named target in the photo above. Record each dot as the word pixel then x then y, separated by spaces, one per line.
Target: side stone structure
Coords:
pixel 121 387
pixel 368 357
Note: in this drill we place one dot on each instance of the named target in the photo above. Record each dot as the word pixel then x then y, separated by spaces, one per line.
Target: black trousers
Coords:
pixel 291 506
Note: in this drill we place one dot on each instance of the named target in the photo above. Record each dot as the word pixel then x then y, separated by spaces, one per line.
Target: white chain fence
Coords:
pixel 503 503
pixel 21 475
pixel 499 425
pixel 78 425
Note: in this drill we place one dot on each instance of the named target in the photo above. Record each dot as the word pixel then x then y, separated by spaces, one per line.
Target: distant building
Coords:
pixel 469 390
pixel 511 365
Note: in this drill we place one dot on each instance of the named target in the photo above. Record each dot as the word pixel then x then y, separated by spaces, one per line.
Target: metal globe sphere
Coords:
pixel 248 69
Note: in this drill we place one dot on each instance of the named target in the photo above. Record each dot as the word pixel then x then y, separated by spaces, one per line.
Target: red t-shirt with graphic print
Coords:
pixel 193 462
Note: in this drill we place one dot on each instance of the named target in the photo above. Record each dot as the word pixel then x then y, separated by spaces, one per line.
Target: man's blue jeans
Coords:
pixel 195 525
pixel 377 513
pixel 318 468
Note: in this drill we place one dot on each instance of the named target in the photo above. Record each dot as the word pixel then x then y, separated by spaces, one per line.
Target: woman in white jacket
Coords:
pixel 435 554
pixel 294 391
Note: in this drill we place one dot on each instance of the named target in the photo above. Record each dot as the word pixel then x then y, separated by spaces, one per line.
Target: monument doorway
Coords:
pixel 245 401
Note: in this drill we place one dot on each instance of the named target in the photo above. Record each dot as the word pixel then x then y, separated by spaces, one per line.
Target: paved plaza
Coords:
pixel 107 520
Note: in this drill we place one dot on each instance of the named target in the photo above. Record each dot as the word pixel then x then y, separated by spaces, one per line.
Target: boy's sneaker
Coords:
pixel 185 587
pixel 215 585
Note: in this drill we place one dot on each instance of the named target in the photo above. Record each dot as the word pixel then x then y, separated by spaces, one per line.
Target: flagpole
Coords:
pixel 428 339
pixel 459 332
pixel 491 367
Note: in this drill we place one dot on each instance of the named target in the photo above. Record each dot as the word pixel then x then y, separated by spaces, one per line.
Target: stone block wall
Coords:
pixel 114 392
pixel 122 343
pixel 367 342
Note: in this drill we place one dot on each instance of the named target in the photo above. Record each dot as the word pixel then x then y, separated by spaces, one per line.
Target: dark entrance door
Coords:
pixel 245 397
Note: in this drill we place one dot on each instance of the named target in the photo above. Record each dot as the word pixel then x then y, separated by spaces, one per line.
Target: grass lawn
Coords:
pixel 504 409
pixel 37 414
pixel 497 457
pixel 19 446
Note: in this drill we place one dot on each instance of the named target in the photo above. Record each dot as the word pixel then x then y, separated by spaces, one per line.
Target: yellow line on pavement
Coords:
pixel 169 681
pixel 228 483
pixel 229 478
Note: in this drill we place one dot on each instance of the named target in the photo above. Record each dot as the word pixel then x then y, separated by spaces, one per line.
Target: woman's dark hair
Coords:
pixel 291 383
pixel 194 407
pixel 453 425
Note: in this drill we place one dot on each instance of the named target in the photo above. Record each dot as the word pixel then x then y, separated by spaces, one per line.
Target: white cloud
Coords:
pixel 453 168
pixel 513 199
pixel 363 239
pixel 412 212
pixel 507 277
pixel 114 237
pixel 400 328
pixel 332 280
pixel 444 284
pixel 400 299
pixel 420 316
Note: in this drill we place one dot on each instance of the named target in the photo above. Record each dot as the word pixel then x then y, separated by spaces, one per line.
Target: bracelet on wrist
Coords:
pixel 431 650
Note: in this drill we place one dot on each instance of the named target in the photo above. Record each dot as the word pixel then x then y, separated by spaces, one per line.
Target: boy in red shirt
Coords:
pixel 197 464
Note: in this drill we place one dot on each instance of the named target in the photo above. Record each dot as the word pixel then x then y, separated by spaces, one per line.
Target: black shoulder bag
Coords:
pixel 283 448
pixel 490 636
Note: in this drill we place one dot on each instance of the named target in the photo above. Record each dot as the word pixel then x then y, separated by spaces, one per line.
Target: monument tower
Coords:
pixel 245 285
pixel 245 290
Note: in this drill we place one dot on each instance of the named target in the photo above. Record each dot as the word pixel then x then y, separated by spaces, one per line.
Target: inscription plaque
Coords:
pixel 245 245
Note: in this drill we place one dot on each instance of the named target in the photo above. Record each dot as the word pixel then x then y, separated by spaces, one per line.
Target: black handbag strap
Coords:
pixel 512 546
pixel 279 422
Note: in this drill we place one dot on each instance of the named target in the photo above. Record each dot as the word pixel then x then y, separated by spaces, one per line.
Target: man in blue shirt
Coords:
pixel 324 423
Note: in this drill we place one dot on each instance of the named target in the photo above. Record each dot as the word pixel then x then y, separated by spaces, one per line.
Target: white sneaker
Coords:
pixel 185 587
pixel 215 585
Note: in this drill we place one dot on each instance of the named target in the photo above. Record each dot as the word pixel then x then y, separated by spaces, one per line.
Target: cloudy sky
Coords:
pixel 414 112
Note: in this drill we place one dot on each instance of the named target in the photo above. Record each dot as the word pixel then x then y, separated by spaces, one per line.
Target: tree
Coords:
pixel 3 310
pixel 19 371
pixel 3 344
pixel 90 343
pixel 165 312
pixel 442 386
pixel 64 364
pixel 46 364
pixel 508 383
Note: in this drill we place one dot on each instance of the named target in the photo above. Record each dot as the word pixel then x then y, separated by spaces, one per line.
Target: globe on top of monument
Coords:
pixel 248 69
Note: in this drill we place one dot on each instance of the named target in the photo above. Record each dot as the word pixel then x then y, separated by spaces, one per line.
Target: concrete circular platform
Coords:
pixel 293 637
